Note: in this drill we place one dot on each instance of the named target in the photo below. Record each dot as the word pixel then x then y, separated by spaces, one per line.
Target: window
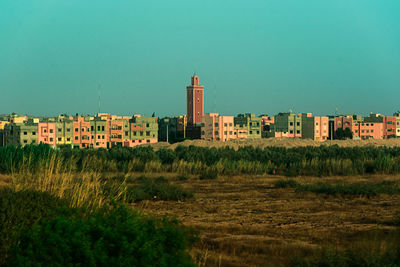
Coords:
pixel 225 124
pixel 230 124
pixel 147 133
pixel 216 133
pixel 225 132
pixel 147 125
pixel 251 132
pixel 230 132
pixel 372 131
pixel 148 141
pixel 298 131
pixel 68 139
pixel 45 130
pixel 76 130
pixel 68 129
pixel 76 138
pixel 59 130
pixel 25 141
pixel 126 133
pixel 91 128
pixel 102 137
pixel 102 128
pixel 51 130
pixel 51 139
pixel 25 133
pixel 258 132
pixel 59 139
pixel 98 128
pixel 83 129
pixel 251 124
pixel 291 124
pixel 134 133
pixel 298 123
pixel 291 131
pixel 33 141
pixel 216 124
pixel 141 133
pixel 33 133
pixel 316 123
pixel 140 140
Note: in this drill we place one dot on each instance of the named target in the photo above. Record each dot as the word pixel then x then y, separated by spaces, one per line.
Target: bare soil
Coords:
pixel 245 221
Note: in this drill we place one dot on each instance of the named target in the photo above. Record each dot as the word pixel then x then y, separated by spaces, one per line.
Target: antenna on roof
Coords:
pixel 336 111
pixel 99 104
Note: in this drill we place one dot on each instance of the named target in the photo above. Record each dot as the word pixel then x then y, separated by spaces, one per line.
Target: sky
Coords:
pixel 258 56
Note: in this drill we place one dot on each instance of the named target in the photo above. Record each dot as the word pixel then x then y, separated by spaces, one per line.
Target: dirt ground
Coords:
pixel 280 142
pixel 245 221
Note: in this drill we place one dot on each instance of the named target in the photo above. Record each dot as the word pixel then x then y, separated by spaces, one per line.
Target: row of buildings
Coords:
pixel 100 131
pixel 104 130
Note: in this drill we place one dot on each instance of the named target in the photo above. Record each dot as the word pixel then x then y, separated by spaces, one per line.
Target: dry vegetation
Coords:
pixel 279 142
pixel 245 221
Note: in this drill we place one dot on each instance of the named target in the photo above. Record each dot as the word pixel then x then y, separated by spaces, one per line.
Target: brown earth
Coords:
pixel 245 221
pixel 279 142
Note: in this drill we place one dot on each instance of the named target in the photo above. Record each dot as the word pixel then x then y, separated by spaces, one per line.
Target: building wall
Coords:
pixel 115 132
pixel 47 133
pixel 368 130
pixel 343 122
pixel 143 130
pixel 216 127
pixel 288 125
pixel 397 126
pixel 64 132
pixel 81 133
pixel 250 124
pixel 99 133
pixel 390 126
pixel 321 128
pixel 21 134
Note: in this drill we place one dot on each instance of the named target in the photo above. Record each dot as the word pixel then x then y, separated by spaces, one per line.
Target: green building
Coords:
pixel 248 122
pixel 288 124
pixel 21 133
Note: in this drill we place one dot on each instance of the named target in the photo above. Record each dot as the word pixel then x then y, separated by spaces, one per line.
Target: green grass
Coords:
pixel 354 189
pixel 145 188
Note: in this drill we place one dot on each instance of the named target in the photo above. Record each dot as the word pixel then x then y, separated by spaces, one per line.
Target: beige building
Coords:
pixel 216 127
pixel 21 133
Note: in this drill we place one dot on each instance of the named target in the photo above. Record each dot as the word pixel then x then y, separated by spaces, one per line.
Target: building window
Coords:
pixel 76 138
pixel 98 128
pixel 51 139
pixel 258 132
pixel 126 133
pixel 141 133
pixel 83 129
pixel 68 129
pixel 76 130
pixel 230 124
pixel 33 133
pixel 91 128
pixel 45 130
pixel 25 141
pixel 147 133
pixel 68 139
pixel 33 141
pixel 102 137
pixel 59 139
pixel 251 132
pixel 25 133
pixel 216 124
pixel 51 130
pixel 102 128
pixel 134 133
pixel 291 123
pixel 225 132
pixel 148 141
pixel 216 132
pixel 225 124
pixel 298 131
pixel 298 123
pixel 59 130
pixel 230 132
pixel 147 125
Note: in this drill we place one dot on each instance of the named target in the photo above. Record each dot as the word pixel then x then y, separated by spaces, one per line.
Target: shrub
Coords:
pixel 208 174
pixel 155 189
pixel 19 211
pixel 286 183
pixel 111 236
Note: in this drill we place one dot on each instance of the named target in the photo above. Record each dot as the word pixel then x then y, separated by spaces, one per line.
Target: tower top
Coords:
pixel 195 80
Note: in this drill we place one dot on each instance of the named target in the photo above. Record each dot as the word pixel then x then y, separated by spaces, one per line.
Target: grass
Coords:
pixel 145 188
pixel 342 189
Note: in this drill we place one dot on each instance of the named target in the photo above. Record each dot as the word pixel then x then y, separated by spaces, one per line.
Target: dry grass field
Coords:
pixel 245 221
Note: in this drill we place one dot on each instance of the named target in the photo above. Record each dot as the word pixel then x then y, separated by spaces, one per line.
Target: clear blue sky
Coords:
pixel 264 56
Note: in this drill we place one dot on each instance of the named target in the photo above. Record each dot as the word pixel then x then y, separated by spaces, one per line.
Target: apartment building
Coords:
pixel 142 130
pixel 368 130
pixel 81 132
pixel 172 129
pixel 21 133
pixel 249 124
pixel 315 127
pixel 216 127
pixel 288 125
pixel 47 133
pixel 64 131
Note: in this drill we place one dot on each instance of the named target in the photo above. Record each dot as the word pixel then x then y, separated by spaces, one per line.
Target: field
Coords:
pixel 293 203
pixel 245 221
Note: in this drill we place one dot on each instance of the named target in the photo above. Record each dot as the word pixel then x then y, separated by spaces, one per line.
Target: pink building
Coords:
pixel 115 128
pixel 81 133
pixel 194 101
pixel 321 128
pixel 47 133
pixel 368 130
pixel 216 127
pixel 343 122
pixel 390 126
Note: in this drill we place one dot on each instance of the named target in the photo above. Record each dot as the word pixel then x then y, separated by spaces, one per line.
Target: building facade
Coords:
pixel 194 101
pixel 288 125
pixel 218 128
pixel 248 123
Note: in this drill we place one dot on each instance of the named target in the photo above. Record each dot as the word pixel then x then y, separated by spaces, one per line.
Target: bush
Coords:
pixel 286 183
pixel 113 236
pixel 155 189
pixel 208 175
pixel 19 211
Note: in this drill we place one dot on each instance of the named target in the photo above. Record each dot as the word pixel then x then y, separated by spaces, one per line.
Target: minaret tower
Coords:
pixel 194 101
